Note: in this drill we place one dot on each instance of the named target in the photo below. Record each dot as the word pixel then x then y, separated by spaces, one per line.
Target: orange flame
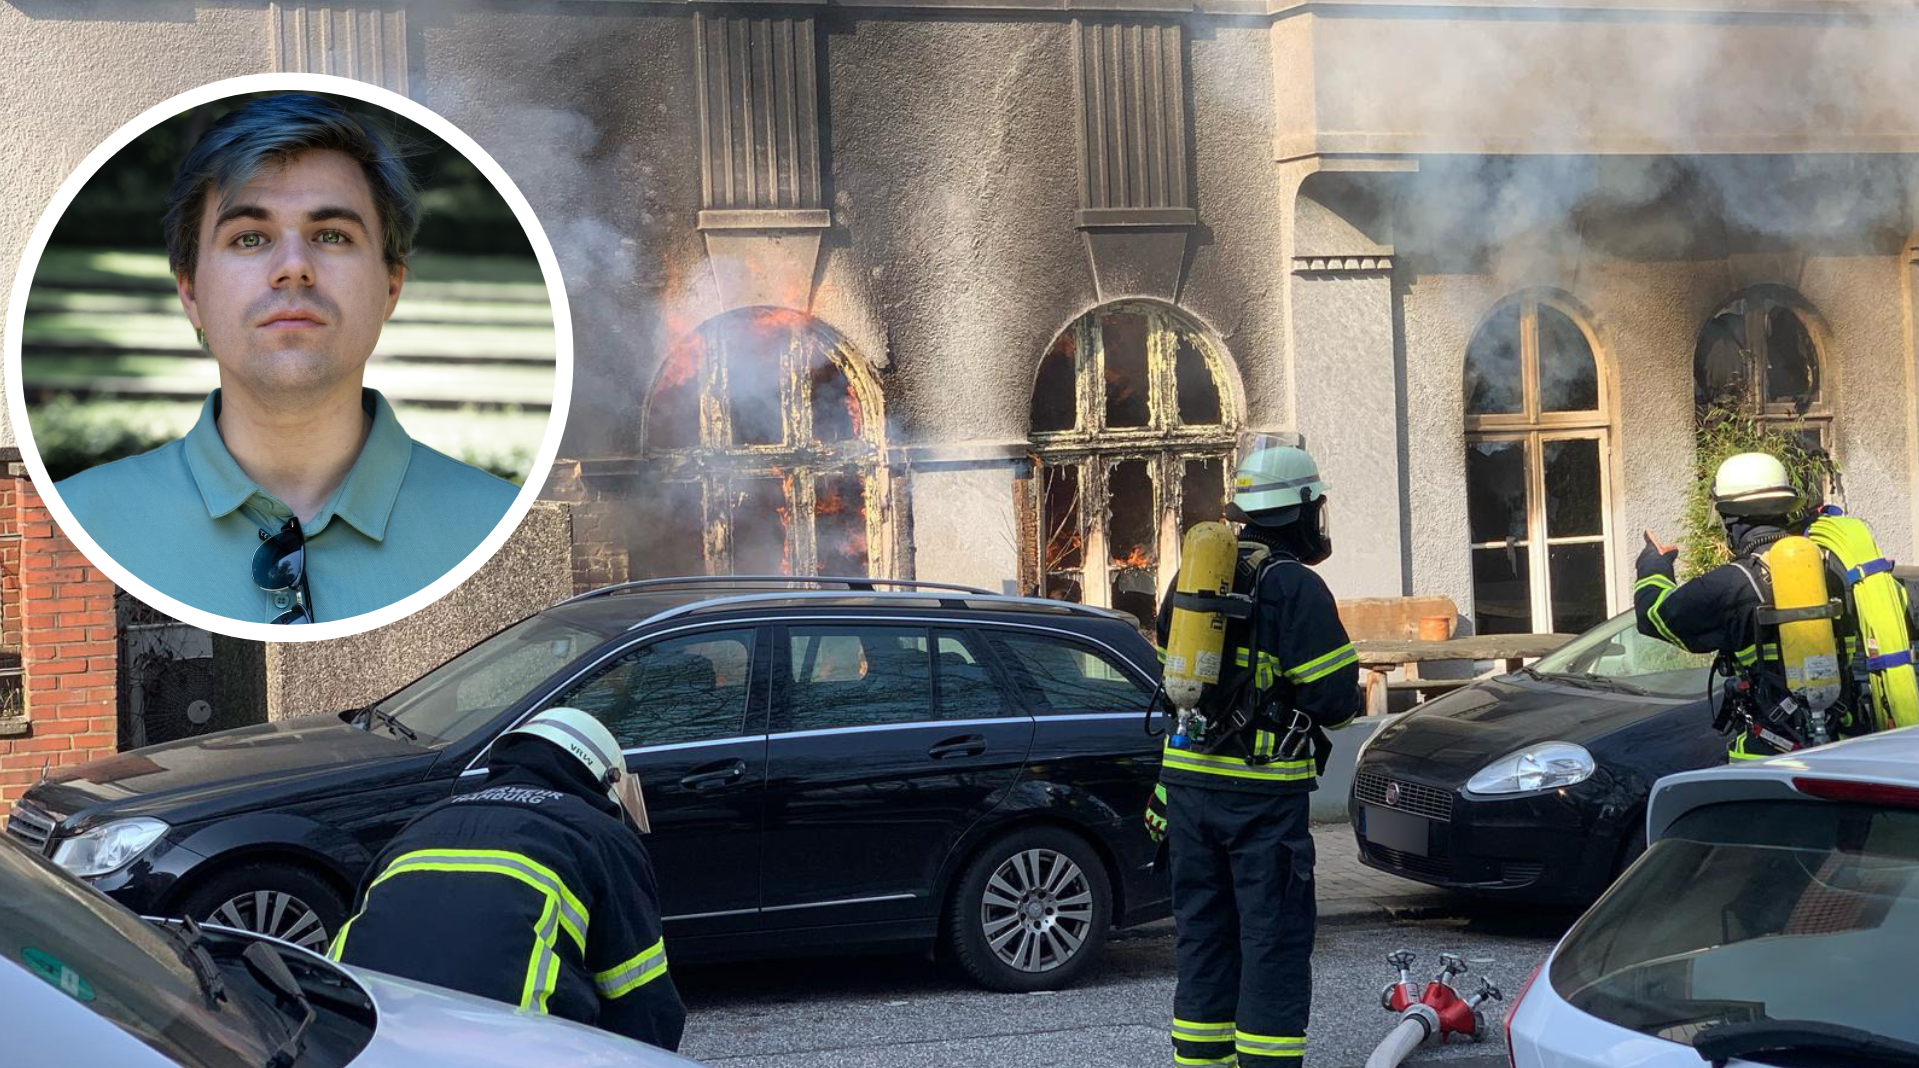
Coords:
pixel 1136 558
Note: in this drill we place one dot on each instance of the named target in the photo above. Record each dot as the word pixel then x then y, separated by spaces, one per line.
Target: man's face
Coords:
pixel 291 287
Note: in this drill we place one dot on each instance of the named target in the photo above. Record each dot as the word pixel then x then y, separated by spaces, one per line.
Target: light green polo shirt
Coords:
pixel 186 519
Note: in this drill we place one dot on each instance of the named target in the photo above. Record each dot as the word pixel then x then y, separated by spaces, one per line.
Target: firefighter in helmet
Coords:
pixel 1235 812
pixel 1783 693
pixel 533 890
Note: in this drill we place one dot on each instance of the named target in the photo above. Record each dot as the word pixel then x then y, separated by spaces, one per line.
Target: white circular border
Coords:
pixel 562 378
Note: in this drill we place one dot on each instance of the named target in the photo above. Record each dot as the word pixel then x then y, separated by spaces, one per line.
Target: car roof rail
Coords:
pixel 859 583
pixel 980 599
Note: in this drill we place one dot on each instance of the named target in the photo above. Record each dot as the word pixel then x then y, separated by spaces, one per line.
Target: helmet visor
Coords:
pixel 626 791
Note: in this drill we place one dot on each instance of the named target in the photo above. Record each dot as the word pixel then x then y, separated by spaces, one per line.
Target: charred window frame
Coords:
pixel 1538 470
pixel 1759 355
pixel 765 434
pixel 1134 415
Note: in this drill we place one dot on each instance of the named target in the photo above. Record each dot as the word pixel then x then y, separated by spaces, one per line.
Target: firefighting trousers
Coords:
pixel 1242 868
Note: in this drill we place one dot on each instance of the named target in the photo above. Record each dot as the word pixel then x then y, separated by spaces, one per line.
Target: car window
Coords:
pixel 116 965
pixel 1752 911
pixel 1067 676
pixel 1615 649
pixel 454 699
pixel 857 677
pixel 967 690
pixel 687 689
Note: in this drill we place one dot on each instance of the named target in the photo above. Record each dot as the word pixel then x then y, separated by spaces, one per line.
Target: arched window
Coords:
pixel 1133 422
pixel 1537 452
pixel 766 431
pixel 1756 356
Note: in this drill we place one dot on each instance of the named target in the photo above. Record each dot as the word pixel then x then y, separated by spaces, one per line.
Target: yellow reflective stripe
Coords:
pixel 1233 767
pixel 543 964
pixel 1270 1045
pixel 1654 580
pixel 1202 1032
pixel 1314 670
pixel 1269 668
pixel 1180 1058
pixel 630 975
pixel 518 866
pixel 1161 650
pixel 1159 791
pixel 339 940
pixel 1747 656
pixel 1658 622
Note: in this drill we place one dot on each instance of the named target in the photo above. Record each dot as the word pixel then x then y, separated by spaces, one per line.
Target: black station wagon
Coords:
pixel 830 765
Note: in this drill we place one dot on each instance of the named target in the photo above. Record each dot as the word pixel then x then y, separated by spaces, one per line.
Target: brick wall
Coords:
pixel 56 611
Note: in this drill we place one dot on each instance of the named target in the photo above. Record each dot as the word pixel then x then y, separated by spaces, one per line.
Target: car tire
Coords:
pixel 1031 911
pixel 286 901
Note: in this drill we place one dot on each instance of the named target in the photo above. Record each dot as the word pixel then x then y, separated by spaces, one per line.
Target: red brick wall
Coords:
pixel 60 611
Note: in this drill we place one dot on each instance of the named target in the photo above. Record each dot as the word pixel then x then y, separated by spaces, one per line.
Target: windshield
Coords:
pixel 1616 650
pixel 118 966
pixel 454 699
pixel 1756 911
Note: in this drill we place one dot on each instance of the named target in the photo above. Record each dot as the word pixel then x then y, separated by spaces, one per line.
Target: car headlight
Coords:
pixel 1546 766
pixel 108 847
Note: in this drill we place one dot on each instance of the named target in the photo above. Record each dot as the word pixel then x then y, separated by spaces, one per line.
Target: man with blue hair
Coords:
pixel 297 497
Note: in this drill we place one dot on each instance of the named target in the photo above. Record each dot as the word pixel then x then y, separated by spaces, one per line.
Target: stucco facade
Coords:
pixel 1332 198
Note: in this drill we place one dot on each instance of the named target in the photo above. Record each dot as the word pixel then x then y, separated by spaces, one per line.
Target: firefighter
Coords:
pixel 1734 611
pixel 1235 811
pixel 533 890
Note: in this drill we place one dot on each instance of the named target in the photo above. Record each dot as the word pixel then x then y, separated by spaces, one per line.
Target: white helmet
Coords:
pixel 1272 477
pixel 1754 483
pixel 588 740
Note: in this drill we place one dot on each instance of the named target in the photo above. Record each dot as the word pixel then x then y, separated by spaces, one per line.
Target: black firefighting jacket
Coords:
pixel 1717 612
pixel 530 891
pixel 1302 660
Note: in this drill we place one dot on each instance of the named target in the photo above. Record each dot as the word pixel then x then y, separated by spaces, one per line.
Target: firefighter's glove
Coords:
pixel 1156 814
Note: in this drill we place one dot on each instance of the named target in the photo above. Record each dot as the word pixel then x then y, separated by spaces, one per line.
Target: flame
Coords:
pixel 1136 558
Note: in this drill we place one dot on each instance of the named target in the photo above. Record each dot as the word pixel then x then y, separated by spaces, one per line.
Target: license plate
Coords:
pixel 1391 829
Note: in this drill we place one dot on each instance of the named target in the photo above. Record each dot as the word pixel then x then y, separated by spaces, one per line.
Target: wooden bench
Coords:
pixel 1375 619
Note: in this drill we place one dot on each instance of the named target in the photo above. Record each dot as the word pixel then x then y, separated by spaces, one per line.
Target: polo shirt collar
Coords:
pixel 365 499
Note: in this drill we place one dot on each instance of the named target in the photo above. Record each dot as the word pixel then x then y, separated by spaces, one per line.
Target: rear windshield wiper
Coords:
pixel 267 966
pixel 372 713
pixel 1723 1043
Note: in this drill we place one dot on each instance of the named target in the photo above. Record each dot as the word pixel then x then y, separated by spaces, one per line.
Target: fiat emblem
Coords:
pixel 1392 793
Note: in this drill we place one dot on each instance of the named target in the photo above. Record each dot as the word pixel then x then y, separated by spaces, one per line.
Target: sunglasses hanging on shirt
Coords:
pixel 279 566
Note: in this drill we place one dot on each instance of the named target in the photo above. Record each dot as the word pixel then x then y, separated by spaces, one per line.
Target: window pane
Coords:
pixel 1496 490
pixel 1792 367
pixel 754 345
pixel 673 412
pixel 761 513
pixel 1579 587
pixel 1124 337
pixel 858 676
pixel 835 407
pixel 1502 591
pixel 839 523
pixel 966 688
pixel 1062 544
pixel 689 689
pixel 1493 385
pixel 1054 406
pixel 1568 374
pixel 1202 493
pixel 1134 532
pixel 1065 677
pixel 1198 393
pixel 673 530
pixel 1572 488
pixel 1721 369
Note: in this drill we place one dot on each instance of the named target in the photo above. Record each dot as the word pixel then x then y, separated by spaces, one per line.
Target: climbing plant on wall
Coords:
pixel 1725 432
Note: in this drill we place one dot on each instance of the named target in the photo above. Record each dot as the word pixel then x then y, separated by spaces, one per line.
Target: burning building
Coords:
pixel 983 290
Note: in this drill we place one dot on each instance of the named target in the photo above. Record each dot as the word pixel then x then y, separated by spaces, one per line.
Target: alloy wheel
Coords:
pixel 275 913
pixel 1037 910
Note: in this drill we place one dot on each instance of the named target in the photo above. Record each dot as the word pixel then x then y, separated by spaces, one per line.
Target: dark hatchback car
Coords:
pixel 828 768
pixel 1534 784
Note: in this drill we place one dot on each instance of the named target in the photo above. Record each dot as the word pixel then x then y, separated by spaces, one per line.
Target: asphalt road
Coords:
pixel 897 1012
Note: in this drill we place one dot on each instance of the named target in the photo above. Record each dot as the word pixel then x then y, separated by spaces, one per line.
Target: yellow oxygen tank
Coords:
pixel 1196 640
pixel 1879 604
pixel 1806 642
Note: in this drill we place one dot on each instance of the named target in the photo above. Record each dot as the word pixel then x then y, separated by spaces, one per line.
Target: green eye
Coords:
pixel 249 240
pixel 332 237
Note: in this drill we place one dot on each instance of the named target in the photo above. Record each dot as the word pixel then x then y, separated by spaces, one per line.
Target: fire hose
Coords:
pixel 1437 1011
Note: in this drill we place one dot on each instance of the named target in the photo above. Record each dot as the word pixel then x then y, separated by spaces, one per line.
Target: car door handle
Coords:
pixel 971 745
pixel 716 778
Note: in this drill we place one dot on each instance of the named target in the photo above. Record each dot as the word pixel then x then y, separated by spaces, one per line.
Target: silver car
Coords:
pixel 84 981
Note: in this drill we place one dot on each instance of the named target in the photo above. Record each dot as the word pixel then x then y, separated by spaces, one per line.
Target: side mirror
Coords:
pixel 1613 648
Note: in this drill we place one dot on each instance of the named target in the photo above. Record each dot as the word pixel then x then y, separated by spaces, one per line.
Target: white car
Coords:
pixel 1773 921
pixel 84 981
